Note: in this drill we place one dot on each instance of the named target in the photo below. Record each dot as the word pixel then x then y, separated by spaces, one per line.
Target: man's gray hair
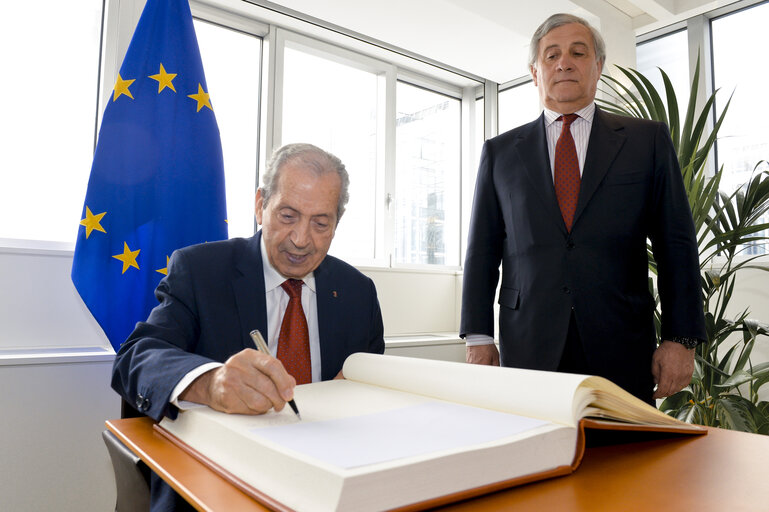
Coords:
pixel 313 157
pixel 557 20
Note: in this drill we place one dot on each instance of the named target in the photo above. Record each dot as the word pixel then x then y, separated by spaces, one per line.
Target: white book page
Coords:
pixel 399 433
pixel 543 395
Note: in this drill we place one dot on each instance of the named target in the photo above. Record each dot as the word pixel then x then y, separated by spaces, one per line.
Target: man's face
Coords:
pixel 567 72
pixel 299 220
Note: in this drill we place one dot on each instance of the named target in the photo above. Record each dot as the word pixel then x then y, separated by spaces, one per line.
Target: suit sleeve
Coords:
pixel 158 353
pixel 484 252
pixel 674 244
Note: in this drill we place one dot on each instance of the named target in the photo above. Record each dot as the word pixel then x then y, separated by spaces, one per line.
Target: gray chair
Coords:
pixel 132 476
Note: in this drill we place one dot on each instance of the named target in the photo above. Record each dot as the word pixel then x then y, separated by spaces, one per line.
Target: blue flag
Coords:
pixel 157 179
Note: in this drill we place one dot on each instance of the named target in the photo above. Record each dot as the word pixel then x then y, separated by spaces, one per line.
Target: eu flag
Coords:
pixel 157 179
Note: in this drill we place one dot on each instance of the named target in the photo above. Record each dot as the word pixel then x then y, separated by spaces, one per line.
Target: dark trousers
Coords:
pixel 573 357
pixel 573 360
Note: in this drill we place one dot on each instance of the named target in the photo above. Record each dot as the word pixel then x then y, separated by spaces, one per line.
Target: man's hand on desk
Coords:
pixel 482 354
pixel 672 368
pixel 250 382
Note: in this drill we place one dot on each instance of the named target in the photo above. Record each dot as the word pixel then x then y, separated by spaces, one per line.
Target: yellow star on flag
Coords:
pixel 92 222
pixel 202 98
pixel 121 87
pixel 164 79
pixel 163 271
pixel 128 257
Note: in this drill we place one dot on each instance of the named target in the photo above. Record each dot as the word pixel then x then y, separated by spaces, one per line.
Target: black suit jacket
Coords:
pixel 212 298
pixel 631 189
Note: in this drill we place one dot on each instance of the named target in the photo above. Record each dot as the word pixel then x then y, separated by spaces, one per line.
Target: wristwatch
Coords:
pixel 686 341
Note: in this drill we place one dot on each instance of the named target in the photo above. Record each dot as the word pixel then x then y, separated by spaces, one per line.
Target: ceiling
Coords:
pixel 488 38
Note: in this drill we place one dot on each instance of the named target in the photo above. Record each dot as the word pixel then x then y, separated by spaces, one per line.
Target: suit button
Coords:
pixel 566 290
pixel 139 402
pixel 570 245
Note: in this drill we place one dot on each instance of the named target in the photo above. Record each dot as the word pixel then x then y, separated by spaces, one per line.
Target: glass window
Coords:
pixel 744 137
pixel 671 54
pixel 428 136
pixel 49 115
pixel 334 106
pixel 231 61
pixel 517 105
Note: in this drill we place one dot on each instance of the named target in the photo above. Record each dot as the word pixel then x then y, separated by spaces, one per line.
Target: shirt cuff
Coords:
pixel 187 380
pixel 473 340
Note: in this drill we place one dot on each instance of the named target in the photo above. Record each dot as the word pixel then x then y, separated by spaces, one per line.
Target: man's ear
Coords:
pixel 259 206
pixel 533 71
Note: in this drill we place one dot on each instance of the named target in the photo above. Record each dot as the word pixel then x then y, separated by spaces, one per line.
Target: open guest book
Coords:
pixel 407 433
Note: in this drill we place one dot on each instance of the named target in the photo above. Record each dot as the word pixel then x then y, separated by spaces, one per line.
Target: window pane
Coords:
pixel 671 54
pixel 427 177
pixel 744 136
pixel 231 61
pixel 517 105
pixel 334 106
pixel 51 65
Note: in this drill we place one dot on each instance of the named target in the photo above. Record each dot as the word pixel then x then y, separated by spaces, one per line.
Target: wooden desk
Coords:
pixel 723 470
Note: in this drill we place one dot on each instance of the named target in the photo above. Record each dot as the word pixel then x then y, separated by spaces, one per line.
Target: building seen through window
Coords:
pixel 671 54
pixel 427 177
pixel 335 106
pixel 744 136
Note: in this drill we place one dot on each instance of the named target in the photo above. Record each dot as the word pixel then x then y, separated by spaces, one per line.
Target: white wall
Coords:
pixel 51 453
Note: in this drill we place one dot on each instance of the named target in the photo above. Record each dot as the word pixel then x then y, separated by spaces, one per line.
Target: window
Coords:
pixel 427 177
pixel 335 106
pixel 400 142
pixel 671 54
pixel 231 61
pixel 744 137
pixel 49 115
pixel 518 105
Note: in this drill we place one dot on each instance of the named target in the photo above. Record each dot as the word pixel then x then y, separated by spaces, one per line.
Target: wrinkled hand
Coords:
pixel 672 368
pixel 250 382
pixel 482 354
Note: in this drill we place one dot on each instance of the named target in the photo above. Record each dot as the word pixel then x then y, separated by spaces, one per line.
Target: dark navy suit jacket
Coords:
pixel 211 299
pixel 631 190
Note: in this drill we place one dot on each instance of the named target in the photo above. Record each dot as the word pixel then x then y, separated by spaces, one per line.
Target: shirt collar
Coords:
pixel 273 278
pixel 585 113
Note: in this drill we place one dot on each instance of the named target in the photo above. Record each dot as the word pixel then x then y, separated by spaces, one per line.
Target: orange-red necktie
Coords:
pixel 294 337
pixel 567 178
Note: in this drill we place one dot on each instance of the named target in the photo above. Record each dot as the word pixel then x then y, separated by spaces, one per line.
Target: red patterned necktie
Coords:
pixel 294 338
pixel 567 177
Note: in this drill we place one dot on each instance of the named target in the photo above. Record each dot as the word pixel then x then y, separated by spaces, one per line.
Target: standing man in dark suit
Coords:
pixel 566 204
pixel 195 345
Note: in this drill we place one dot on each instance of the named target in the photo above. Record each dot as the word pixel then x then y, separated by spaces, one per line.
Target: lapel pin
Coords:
pixel 333 293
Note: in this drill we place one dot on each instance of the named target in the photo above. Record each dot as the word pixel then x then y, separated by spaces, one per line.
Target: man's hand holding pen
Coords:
pixel 250 382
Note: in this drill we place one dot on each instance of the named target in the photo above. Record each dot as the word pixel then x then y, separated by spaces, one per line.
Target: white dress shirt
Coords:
pixel 580 132
pixel 276 299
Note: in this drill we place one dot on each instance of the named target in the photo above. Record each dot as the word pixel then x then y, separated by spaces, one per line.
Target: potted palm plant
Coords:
pixel 724 390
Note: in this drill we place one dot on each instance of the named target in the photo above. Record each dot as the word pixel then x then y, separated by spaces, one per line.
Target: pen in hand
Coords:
pixel 262 346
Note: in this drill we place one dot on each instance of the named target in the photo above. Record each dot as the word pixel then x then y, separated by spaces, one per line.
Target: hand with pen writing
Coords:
pixel 249 382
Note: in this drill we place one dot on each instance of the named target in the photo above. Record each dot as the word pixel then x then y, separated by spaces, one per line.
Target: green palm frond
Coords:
pixel 724 387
